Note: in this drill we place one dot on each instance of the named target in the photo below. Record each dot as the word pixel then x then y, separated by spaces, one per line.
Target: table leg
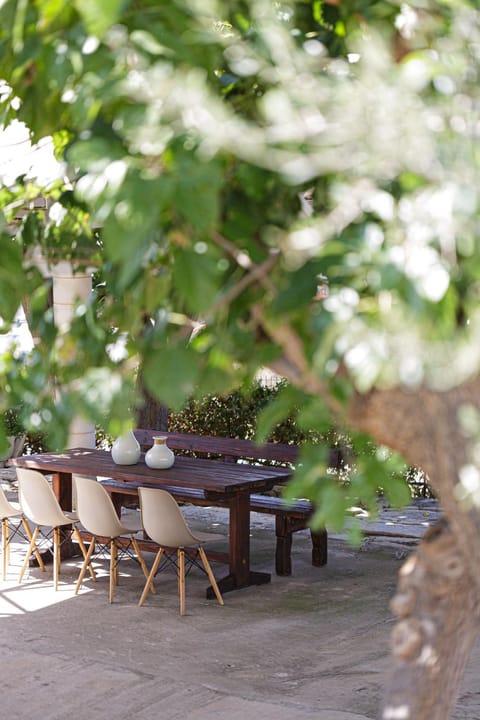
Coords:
pixel 240 574
pixel 63 490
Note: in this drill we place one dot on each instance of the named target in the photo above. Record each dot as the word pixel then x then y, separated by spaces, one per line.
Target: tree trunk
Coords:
pixel 437 609
pixel 438 598
pixel 439 588
pixel 152 414
pixel 424 427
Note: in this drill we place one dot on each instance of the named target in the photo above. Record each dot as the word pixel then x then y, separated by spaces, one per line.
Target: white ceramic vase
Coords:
pixel 126 449
pixel 159 457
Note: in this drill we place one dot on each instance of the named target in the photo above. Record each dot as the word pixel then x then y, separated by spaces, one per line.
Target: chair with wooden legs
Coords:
pixel 14 523
pixel 41 507
pixel 99 518
pixel 164 523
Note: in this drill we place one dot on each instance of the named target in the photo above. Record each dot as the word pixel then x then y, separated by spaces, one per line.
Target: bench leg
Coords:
pixel 283 550
pixel 284 529
pixel 319 547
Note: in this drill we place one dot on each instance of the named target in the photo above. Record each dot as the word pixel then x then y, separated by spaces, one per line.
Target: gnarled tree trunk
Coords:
pixel 435 632
pixel 437 622
pixel 438 599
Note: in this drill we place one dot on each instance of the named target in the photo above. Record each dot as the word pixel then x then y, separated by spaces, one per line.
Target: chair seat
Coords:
pixel 129 530
pixel 123 532
pixel 12 513
pixel 72 515
pixel 7 508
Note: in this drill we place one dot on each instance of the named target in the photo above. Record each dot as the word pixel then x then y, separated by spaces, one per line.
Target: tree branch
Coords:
pixel 424 427
pixel 294 365
pixel 258 273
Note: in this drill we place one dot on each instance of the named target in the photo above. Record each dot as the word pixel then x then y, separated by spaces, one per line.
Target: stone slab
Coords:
pixel 313 645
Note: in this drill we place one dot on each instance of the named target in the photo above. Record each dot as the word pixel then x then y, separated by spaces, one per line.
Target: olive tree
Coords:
pixel 291 185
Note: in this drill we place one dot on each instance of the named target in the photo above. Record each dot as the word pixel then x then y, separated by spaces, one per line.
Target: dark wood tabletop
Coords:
pixel 213 476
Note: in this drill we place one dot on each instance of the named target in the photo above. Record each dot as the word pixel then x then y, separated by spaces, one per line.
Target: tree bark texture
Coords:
pixel 423 426
pixel 152 414
pixel 437 604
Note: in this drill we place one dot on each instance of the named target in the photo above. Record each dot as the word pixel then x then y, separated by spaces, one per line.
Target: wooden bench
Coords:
pixel 289 517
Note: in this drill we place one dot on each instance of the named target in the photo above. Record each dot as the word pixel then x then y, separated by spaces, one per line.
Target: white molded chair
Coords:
pixel 13 519
pixel 164 523
pixel 41 507
pixel 99 518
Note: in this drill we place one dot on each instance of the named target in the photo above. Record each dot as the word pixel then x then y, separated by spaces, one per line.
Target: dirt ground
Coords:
pixel 313 645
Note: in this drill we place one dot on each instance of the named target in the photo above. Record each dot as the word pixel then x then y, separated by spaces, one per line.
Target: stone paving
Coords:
pixel 313 645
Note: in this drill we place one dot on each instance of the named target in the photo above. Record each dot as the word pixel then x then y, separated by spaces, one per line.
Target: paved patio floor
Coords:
pixel 310 646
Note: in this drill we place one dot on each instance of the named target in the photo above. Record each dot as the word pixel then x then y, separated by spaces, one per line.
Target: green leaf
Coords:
pixel 195 277
pixel 301 289
pixel 314 414
pixel 18 27
pixel 355 534
pixel 129 234
pixel 391 276
pixel 281 407
pixel 197 191
pixel 318 11
pixel 99 16
pixel 12 280
pixel 148 43
pixel 54 11
pixel 341 389
pixel 398 491
pixel 331 507
pixel 170 374
pixel 95 154
pixel 214 380
pixel 102 392
pixel 310 472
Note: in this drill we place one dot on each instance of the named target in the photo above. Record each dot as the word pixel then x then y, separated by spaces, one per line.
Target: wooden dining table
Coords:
pixel 222 483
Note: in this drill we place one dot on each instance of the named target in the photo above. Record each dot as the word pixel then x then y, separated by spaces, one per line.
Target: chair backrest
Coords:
pixel 37 499
pixel 6 508
pixel 162 519
pixel 95 509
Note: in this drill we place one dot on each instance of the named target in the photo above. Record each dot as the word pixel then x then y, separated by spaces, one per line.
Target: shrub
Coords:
pixel 13 426
pixel 234 416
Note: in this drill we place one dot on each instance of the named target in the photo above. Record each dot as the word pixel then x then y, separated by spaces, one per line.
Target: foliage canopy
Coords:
pixel 191 133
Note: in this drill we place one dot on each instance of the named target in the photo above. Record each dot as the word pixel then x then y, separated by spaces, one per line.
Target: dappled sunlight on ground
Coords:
pixel 36 591
pixel 33 595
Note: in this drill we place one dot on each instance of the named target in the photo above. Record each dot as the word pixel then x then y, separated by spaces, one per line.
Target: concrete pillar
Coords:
pixel 69 287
